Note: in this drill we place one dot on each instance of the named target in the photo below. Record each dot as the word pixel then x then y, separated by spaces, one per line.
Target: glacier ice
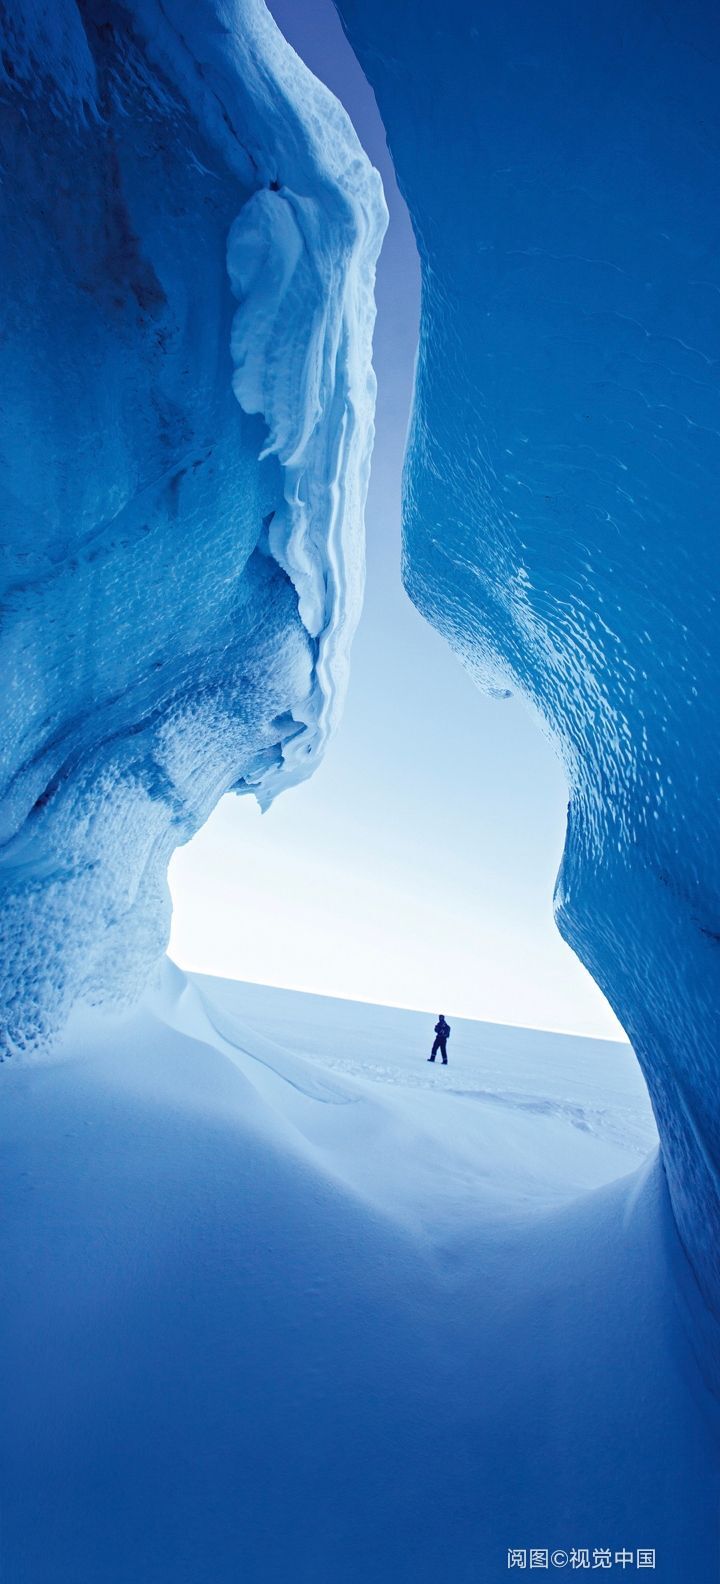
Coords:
pixel 563 480
pixel 189 240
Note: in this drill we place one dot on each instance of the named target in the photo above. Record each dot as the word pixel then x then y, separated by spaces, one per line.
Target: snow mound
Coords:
pixel 189 247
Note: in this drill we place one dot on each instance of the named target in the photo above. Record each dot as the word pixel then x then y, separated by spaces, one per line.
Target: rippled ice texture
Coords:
pixel 189 236
pixel 561 167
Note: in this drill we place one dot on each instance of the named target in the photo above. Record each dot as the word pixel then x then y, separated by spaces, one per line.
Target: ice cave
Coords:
pixel 236 1342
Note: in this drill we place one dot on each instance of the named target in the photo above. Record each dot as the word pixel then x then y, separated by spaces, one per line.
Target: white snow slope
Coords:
pixel 285 1303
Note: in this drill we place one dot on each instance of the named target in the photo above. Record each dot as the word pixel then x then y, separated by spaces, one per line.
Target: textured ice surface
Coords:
pixel 560 163
pixel 189 236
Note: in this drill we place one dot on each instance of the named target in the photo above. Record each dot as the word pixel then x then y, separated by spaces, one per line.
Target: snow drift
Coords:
pixel 189 236
pixel 285 1303
pixel 563 480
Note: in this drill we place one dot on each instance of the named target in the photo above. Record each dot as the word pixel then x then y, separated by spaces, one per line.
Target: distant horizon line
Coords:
pixel 398 1006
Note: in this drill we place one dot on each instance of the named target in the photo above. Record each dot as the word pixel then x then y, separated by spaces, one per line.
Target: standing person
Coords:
pixel 442 1035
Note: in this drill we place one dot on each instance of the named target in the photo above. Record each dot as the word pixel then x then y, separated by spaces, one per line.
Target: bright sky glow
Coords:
pixel 417 867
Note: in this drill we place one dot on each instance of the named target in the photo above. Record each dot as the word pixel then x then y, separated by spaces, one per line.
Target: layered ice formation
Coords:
pixel 561 163
pixel 190 230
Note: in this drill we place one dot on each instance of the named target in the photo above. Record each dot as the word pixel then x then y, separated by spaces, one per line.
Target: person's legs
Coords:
pixel 443 1048
pixel 435 1049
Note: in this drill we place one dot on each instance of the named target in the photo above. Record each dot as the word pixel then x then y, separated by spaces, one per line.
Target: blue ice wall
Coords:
pixel 562 168
pixel 189 232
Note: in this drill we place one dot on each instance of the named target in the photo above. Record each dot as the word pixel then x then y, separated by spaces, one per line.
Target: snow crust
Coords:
pixel 283 1301
pixel 563 476
pixel 189 248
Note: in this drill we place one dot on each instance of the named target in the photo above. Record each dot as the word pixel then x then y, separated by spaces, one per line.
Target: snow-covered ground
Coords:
pixel 285 1303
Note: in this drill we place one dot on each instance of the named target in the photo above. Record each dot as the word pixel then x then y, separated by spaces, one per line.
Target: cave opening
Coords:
pixel 419 862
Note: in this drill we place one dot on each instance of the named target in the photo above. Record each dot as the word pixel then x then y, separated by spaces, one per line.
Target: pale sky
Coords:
pixel 417 867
